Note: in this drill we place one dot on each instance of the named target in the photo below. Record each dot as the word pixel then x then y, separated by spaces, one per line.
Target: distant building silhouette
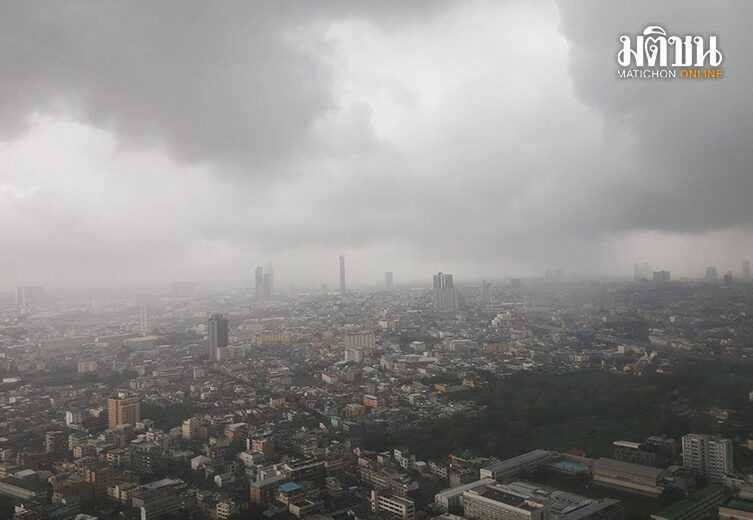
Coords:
pixel 28 296
pixel 342 274
pixel 144 320
pixel 258 283
pixel 389 281
pixel 444 295
pixel 217 336
pixel 486 292
pixel 642 272
pixel 264 282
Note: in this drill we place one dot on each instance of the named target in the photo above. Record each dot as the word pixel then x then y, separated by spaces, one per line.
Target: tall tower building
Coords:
pixel 712 275
pixel 269 282
pixel 444 295
pixel 342 274
pixel 389 280
pixel 123 410
pixel 258 283
pixel 217 336
pixel 144 320
pixel 708 455
pixel 746 270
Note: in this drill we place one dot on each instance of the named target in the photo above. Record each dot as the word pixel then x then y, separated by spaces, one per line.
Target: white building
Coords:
pixel 361 340
pixel 708 455
pixel 452 499
pixel 510 467
pixel 393 506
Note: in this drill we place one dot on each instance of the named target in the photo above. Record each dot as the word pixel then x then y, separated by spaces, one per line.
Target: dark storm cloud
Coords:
pixel 217 82
pixel 685 148
pixel 490 136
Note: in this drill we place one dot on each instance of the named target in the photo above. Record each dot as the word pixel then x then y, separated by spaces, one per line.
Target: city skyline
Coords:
pixel 370 260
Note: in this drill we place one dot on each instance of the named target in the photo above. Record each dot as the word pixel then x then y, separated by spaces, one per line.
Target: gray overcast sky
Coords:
pixel 144 142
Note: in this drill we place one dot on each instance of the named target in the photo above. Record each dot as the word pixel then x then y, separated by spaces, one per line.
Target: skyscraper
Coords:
pixel 746 270
pixel 708 455
pixel 444 296
pixel 217 336
pixel 258 283
pixel 123 410
pixel 342 274
pixel 389 280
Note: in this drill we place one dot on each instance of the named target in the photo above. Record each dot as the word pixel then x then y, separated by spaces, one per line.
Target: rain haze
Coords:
pixel 147 142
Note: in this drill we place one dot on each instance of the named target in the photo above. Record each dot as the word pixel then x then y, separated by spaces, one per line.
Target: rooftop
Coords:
pixel 740 504
pixel 684 506
pixel 289 487
pixel 520 459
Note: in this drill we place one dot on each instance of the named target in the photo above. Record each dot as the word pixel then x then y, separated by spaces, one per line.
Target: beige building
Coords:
pixel 121 411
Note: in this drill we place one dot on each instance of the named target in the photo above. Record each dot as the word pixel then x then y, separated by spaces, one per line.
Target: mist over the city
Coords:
pixel 179 140
pixel 376 260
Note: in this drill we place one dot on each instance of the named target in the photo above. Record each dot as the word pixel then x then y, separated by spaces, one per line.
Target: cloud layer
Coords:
pixel 178 140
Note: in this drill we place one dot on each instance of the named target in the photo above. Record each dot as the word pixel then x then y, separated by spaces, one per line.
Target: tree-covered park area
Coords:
pixel 589 410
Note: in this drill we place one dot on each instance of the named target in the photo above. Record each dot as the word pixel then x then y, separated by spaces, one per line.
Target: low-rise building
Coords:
pixel 510 467
pixel 626 476
pixel 700 505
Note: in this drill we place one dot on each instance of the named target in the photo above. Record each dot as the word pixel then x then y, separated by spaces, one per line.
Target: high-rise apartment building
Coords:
pixel 746 270
pixel 55 442
pixel 444 295
pixel 708 455
pixel 389 281
pixel 123 410
pixel 342 274
pixel 217 336
pixel 361 340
